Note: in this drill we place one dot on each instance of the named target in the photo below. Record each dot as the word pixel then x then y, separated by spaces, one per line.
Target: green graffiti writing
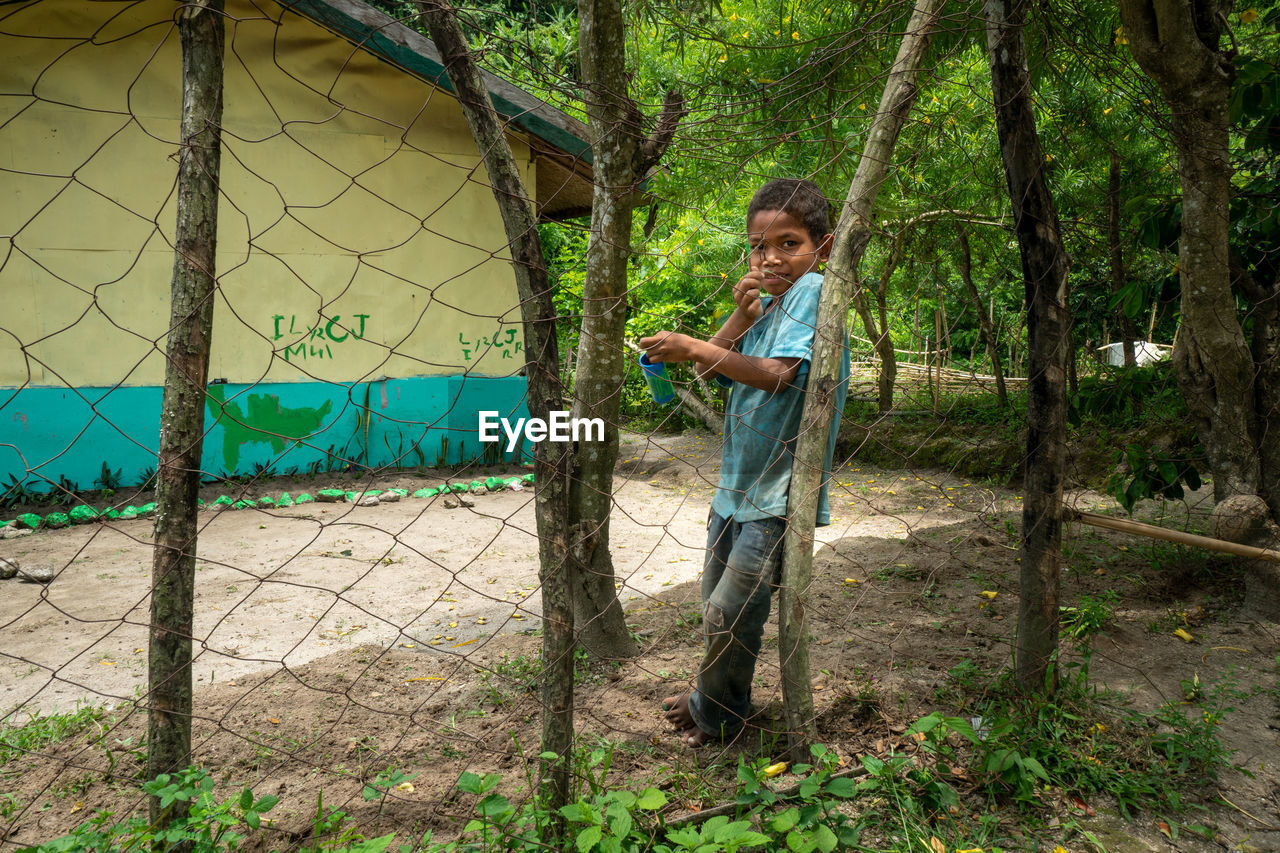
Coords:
pixel 266 422
pixel 315 341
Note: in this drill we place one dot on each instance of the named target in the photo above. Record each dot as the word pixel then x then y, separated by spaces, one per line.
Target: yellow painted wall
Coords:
pixel 354 204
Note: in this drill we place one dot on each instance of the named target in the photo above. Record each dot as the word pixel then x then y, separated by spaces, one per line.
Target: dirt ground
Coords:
pixel 335 643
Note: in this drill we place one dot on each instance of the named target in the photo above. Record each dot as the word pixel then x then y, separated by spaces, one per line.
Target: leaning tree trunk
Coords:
pixel 830 337
pixel 545 395
pixel 965 264
pixel 1044 271
pixel 621 157
pixel 173 568
pixel 1227 390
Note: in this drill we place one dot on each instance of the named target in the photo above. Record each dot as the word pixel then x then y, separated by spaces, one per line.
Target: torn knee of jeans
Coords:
pixel 713 616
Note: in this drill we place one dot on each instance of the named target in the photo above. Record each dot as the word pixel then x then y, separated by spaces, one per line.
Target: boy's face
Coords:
pixel 783 249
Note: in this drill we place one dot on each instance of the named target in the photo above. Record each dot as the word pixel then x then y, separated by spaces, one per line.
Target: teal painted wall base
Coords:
pixel 50 433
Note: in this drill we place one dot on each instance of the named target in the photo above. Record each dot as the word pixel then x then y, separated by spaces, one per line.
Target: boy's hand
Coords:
pixel 669 346
pixel 747 294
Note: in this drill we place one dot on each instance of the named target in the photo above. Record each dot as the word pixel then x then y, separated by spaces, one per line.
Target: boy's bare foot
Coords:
pixel 679 715
pixel 677 711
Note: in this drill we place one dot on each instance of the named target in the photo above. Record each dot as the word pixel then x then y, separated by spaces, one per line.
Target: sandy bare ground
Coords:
pixel 335 641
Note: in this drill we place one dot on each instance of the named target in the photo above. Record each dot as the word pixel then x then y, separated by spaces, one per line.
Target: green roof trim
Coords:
pixel 383 36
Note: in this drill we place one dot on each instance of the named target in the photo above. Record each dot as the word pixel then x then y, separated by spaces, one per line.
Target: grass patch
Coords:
pixel 42 730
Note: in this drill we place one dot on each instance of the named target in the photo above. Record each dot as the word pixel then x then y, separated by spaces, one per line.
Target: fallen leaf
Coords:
pixel 273 721
pixel 1165 829
pixel 1183 634
pixel 425 678
pixel 775 769
pixel 1078 803
pixel 936 845
pixel 988 594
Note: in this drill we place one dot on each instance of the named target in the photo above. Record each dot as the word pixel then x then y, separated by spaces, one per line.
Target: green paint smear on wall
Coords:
pixel 266 422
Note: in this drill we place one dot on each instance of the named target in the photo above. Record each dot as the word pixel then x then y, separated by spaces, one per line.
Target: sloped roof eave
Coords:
pixel 392 41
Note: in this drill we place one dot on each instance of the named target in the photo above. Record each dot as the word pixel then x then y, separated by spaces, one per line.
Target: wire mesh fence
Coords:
pixel 367 608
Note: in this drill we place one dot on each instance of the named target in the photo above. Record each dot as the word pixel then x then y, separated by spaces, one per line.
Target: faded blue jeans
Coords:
pixel 743 564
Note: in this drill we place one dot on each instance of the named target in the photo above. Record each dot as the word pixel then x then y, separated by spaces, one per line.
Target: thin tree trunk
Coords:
pixel 830 338
pixel 879 337
pixel 545 395
pixel 1044 270
pixel 884 343
pixel 173 568
pixel 621 157
pixel 965 265
pixel 1127 331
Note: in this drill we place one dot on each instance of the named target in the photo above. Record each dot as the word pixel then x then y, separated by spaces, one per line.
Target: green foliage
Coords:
pixel 1090 616
pixel 1127 396
pixel 1152 473
pixel 1021 745
pixel 809 818
pixel 209 827
pixel 42 730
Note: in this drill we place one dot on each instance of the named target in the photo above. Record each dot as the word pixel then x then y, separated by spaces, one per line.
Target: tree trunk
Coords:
pixel 1230 390
pixel 173 568
pixel 879 336
pixel 965 264
pixel 884 343
pixel 545 395
pixel 1127 331
pixel 1044 270
pixel 830 338
pixel 621 157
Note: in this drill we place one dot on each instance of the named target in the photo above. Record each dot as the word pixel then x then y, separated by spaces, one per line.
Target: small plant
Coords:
pixel 1152 474
pixel 42 730
pixel 383 783
pixel 1090 616
pixel 209 827
pixel 108 480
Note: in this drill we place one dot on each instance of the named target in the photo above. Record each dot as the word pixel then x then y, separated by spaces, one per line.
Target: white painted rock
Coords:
pixel 13 531
pixel 36 574
pixel 389 497
pixel 371 500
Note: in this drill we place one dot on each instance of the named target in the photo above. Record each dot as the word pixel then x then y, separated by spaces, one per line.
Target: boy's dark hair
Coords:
pixel 802 199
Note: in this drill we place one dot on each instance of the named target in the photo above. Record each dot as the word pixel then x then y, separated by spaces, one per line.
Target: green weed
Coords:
pixel 41 731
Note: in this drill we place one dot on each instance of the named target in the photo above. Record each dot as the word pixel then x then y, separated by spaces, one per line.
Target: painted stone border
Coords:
pixel 29 522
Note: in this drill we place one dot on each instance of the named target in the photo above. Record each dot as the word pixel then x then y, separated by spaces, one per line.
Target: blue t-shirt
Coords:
pixel 760 427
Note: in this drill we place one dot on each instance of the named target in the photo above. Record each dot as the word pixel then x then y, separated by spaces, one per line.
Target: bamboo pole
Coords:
pixel 1139 528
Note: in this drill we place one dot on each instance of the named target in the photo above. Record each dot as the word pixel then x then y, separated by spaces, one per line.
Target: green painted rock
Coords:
pixel 29 520
pixel 426 493
pixel 129 512
pixel 266 502
pixel 285 500
pixel 223 500
pixel 56 519
pixel 83 514
pixel 303 498
pixel 242 504
pixel 329 496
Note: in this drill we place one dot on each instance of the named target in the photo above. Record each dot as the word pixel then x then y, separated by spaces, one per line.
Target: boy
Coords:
pixel 764 347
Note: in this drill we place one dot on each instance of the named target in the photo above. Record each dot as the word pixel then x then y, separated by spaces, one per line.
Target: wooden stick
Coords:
pixel 1124 525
